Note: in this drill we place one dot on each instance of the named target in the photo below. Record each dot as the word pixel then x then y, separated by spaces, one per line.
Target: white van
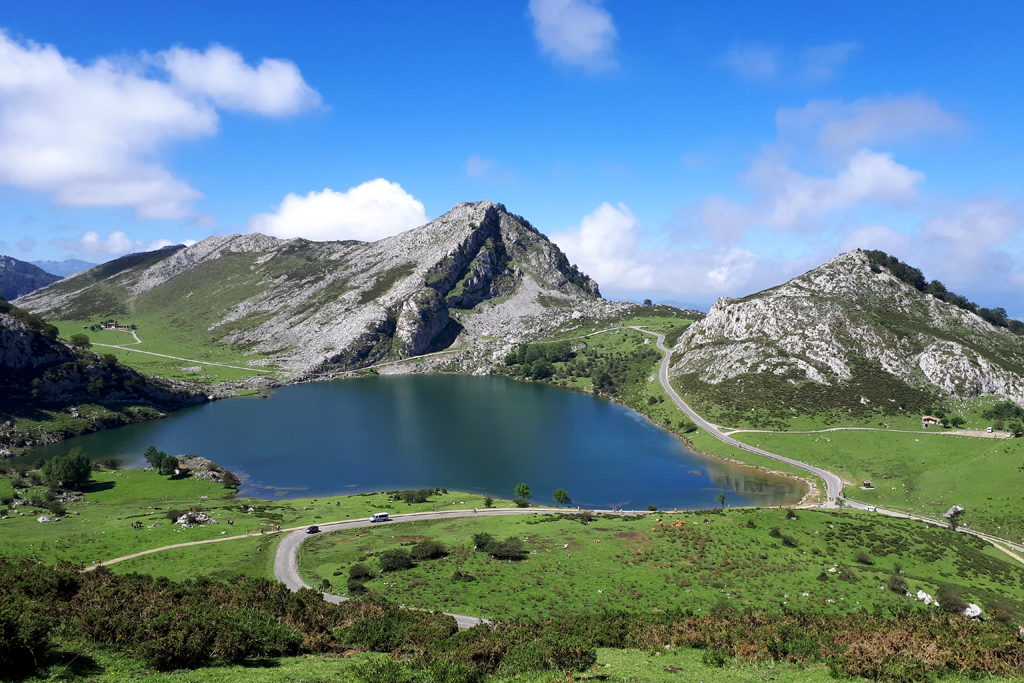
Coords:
pixel 380 517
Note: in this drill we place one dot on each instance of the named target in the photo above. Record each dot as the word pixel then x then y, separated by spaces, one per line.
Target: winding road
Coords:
pixel 833 484
pixel 286 560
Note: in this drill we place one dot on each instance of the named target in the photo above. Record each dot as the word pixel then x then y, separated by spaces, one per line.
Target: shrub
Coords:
pixel 483 541
pixel 24 640
pixel 863 558
pixel 382 670
pixel 822 576
pixel 509 549
pixel 360 570
pixel 488 502
pixel 57 508
pixel 652 508
pixel 459 575
pixel 112 463
pixel 356 586
pixel 521 502
pixel 775 533
pixel 750 524
pixel 428 550
pixel 896 584
pixel 790 514
pixel 949 600
pixel 395 559
pixel 789 541
pixel 715 657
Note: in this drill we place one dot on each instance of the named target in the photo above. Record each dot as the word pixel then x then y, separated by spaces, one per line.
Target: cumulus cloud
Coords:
pixel 755 62
pixel 839 126
pixel 607 246
pixel 368 212
pixel 114 244
pixel 821 61
pixel 790 200
pixel 274 88
pixel 575 32
pixel 604 245
pixel 88 135
pixel 968 244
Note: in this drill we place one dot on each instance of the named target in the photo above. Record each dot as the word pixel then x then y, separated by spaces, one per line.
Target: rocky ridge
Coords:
pixel 20 277
pixel 478 279
pixel 814 326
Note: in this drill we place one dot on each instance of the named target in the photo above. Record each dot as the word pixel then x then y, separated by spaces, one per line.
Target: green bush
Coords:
pixel 896 584
pixel 24 639
pixel 715 657
pixel 521 502
pixel 395 559
pixel 428 550
pixel 360 570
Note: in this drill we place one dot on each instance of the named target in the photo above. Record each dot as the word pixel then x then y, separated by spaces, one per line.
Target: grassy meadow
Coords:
pixel 922 474
pixel 100 528
pixel 636 564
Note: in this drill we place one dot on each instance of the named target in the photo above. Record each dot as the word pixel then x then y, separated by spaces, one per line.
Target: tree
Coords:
pixel 168 465
pixel 721 499
pixel 561 497
pixel 154 457
pixel 1015 427
pixel 647 302
pixel 957 421
pixel 80 340
pixel 488 502
pixel 110 360
pixel 523 491
pixel 69 470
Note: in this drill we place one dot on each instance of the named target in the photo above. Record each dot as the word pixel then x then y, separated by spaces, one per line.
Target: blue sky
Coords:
pixel 675 150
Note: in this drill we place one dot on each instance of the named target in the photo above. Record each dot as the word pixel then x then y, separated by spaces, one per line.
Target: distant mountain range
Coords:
pixel 64 268
pixel 861 333
pixel 18 278
pixel 474 276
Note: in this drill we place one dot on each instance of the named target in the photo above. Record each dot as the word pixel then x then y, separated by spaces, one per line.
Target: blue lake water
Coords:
pixel 483 434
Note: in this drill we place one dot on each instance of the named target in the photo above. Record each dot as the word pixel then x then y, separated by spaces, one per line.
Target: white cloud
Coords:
pixel 604 245
pixel 754 61
pixel 837 126
pixel 879 237
pixel 114 244
pixel 790 200
pixel 89 135
pixel 575 32
pixel 367 212
pixel 821 61
pixel 274 88
pixel 27 244
pixel 477 166
pixel 968 244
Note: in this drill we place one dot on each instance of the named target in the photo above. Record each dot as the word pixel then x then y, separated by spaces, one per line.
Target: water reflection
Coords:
pixel 483 434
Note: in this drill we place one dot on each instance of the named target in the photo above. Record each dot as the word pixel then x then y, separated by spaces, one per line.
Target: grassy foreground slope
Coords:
pixel 742 559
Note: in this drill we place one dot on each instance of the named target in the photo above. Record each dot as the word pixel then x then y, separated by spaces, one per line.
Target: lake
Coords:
pixel 483 434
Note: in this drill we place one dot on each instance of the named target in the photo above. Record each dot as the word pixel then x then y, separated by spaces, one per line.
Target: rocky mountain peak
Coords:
pixel 814 326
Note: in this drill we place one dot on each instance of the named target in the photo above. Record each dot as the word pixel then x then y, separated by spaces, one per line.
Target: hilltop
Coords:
pixel 64 268
pixel 18 278
pixel 74 391
pixel 477 280
pixel 853 336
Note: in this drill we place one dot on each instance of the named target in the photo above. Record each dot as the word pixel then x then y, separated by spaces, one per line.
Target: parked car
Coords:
pixel 313 529
pixel 988 429
pixel 380 517
pixel 871 508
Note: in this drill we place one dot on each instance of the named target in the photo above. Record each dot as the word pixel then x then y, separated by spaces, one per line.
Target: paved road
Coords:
pixel 286 561
pixel 833 484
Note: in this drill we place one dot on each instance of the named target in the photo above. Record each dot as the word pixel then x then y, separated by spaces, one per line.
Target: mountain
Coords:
pixel 475 275
pixel 851 335
pixel 64 268
pixel 18 278
pixel 41 375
